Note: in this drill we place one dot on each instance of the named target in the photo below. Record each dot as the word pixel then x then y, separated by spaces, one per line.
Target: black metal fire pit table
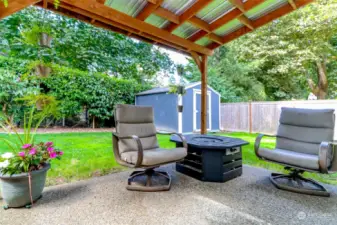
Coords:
pixel 211 158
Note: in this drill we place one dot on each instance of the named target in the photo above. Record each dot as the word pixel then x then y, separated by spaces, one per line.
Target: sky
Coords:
pixel 177 58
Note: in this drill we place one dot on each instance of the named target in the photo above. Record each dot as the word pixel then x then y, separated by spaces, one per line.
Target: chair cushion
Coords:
pixel 291 158
pixel 155 156
pixel 315 118
pixel 135 120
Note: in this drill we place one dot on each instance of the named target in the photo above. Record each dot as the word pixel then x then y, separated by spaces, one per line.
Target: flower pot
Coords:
pixel 15 188
pixel 180 108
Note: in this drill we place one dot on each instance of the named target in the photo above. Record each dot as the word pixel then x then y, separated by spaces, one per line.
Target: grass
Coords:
pixel 90 154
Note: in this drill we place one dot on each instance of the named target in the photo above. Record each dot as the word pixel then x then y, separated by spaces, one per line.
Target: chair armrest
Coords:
pixel 325 153
pixel 258 143
pixel 182 138
pixel 117 137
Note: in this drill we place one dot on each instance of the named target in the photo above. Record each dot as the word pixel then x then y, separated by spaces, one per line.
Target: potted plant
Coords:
pixel 179 89
pixel 23 171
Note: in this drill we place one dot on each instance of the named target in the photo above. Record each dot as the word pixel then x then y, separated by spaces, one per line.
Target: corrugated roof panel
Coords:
pixel 203 41
pixel 130 7
pixel 185 30
pixel 156 21
pixel 177 6
pixel 264 8
pixel 214 10
pixel 229 27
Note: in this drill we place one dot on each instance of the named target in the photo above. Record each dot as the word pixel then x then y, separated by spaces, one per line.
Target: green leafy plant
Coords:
pixel 56 3
pixel 26 156
pixel 177 89
pixel 32 157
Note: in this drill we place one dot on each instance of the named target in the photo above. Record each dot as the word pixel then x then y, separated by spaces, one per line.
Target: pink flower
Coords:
pixel 21 154
pixel 32 151
pixel 26 146
pixel 49 144
pixel 50 149
pixel 52 155
pixel 60 153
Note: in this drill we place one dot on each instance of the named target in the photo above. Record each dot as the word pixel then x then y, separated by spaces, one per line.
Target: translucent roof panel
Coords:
pixel 204 41
pixel 177 6
pixel 185 30
pixel 215 10
pixel 156 21
pixel 229 27
pixel 130 7
pixel 265 8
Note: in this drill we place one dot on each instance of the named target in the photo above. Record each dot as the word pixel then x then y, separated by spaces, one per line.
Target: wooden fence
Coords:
pixel 263 117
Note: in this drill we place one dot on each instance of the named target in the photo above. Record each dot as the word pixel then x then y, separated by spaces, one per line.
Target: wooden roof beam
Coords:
pixel 293 4
pixel 247 22
pixel 261 21
pixel 15 6
pixel 226 18
pixel 102 23
pixel 193 20
pixel 194 9
pixel 148 10
pixel 166 14
pixel 238 4
pixel 128 21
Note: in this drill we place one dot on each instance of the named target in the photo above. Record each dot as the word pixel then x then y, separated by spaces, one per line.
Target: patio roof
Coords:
pixel 187 26
pixel 192 27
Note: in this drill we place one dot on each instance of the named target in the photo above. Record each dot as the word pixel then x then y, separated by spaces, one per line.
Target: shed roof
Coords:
pixel 188 26
pixel 158 90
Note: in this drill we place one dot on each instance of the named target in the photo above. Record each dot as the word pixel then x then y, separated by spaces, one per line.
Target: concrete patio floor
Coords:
pixel 249 199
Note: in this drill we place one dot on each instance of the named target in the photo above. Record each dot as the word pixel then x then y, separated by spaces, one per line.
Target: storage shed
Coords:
pixel 166 114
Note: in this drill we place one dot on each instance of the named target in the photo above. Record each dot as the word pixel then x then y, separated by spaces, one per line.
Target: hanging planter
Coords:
pixel 180 108
pixel 42 70
pixel 45 40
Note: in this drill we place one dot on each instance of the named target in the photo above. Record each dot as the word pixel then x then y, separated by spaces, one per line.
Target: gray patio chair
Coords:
pixel 304 142
pixel 135 145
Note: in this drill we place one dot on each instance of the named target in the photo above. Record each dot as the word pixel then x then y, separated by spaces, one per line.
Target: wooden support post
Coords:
pixel 204 104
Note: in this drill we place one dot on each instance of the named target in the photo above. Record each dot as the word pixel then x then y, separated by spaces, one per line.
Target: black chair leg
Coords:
pixel 296 183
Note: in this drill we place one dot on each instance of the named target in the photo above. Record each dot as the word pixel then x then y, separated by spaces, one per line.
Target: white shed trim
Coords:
pixel 198 83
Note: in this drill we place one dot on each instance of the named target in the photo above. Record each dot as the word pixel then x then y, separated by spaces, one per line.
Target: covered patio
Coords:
pixel 194 28
pixel 249 199
pixel 191 27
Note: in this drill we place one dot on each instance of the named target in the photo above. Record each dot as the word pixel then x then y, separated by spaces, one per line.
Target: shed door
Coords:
pixel 197 110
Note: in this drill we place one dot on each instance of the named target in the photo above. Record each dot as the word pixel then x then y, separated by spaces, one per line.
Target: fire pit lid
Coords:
pixel 210 141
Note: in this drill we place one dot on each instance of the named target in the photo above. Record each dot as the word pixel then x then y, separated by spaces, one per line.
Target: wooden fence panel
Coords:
pixel 235 117
pixel 264 116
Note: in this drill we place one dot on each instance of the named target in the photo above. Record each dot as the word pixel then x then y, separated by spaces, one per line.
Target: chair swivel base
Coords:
pixel 148 186
pixel 296 183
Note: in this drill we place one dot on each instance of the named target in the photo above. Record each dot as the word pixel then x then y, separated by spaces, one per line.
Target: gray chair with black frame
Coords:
pixel 304 142
pixel 135 145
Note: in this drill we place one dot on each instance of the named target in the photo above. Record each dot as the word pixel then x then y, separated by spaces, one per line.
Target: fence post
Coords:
pixel 250 116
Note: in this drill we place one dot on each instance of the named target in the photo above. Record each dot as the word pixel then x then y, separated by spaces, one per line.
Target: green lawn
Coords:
pixel 90 154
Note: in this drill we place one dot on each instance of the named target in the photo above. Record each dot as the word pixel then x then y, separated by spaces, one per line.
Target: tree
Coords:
pixel 12 89
pixel 229 77
pixel 80 45
pixel 296 47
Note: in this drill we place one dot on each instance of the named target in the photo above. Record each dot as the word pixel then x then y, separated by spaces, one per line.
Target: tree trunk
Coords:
pixel 93 122
pixel 320 89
